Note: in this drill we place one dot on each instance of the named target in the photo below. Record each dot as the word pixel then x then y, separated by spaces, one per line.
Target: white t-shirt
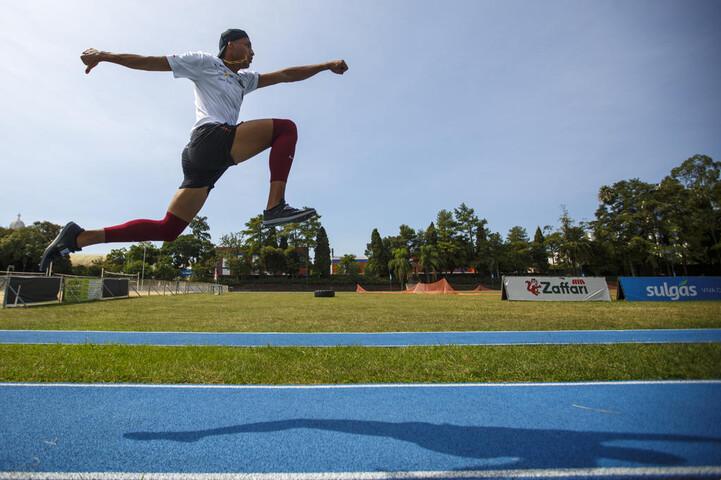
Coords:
pixel 219 91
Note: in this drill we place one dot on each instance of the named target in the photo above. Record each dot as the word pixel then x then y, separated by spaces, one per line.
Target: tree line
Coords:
pixel 253 250
pixel 668 228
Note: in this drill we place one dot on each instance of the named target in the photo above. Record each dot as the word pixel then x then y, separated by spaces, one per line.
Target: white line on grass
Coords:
pixel 362 385
pixel 399 345
pixel 377 333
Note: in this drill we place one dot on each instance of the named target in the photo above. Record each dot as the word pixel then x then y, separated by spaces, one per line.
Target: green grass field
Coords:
pixel 292 365
pixel 349 312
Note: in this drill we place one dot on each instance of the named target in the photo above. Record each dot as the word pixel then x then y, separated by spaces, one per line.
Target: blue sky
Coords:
pixel 513 107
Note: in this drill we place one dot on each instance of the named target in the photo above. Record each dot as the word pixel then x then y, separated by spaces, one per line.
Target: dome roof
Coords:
pixel 17 224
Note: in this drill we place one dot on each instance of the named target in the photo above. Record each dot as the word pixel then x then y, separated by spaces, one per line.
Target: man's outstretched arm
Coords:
pixel 91 57
pixel 295 74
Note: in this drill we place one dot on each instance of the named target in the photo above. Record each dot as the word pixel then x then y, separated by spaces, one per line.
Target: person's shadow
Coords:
pixel 533 448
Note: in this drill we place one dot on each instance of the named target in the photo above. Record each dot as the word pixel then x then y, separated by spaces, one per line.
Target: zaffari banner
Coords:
pixel 539 289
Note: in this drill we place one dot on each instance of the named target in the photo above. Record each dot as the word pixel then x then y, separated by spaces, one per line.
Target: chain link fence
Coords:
pixel 137 287
pixel 174 287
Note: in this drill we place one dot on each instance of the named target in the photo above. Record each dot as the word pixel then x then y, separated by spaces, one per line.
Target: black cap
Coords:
pixel 228 36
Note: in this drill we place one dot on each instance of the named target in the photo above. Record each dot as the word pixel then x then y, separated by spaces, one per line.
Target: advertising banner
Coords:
pixel 669 289
pixel 576 289
pixel 115 287
pixel 25 291
pixel 88 289
pixel 82 289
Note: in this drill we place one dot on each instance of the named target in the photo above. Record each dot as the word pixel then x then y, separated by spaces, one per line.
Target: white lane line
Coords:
pixel 651 472
pixel 361 385
pixel 640 330
pixel 600 410
pixel 342 345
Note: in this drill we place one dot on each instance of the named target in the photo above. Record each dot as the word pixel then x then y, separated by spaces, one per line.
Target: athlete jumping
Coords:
pixel 217 141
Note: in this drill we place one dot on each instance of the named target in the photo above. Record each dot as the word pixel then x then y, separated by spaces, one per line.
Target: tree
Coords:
pixel 348 266
pixel 204 269
pixel 322 254
pixel 93 270
pixel 233 243
pixel 302 234
pixel 200 229
pixel 164 270
pixel 681 237
pixel 134 267
pixel 497 254
pixel 539 253
pixel 410 239
pixel 467 222
pixel 294 260
pixel 273 260
pixel 700 175
pixel 430 237
pixel 23 248
pixel 143 252
pixel 519 250
pixel 115 260
pixel 234 253
pixel 575 246
pixel 378 257
pixel 449 250
pixel 428 260
pixel 254 234
pixel 553 241
pixel 400 265
pixel 182 252
pixel 624 224
pixel 468 225
pixel 483 262
pixel 195 248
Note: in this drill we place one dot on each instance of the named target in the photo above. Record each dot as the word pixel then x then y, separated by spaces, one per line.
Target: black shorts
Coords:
pixel 207 156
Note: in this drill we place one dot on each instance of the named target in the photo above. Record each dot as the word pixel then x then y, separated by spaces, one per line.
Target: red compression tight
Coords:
pixel 285 136
pixel 166 229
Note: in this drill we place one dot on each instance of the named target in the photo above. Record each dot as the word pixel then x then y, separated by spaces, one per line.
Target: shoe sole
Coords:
pixel 45 260
pixel 295 218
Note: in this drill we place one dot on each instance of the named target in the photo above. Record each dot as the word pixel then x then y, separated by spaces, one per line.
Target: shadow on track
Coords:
pixel 534 448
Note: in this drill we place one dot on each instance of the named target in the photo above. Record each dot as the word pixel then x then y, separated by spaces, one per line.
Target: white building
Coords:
pixel 17 224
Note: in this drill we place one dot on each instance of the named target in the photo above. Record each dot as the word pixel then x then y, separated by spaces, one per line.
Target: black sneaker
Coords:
pixel 63 245
pixel 284 213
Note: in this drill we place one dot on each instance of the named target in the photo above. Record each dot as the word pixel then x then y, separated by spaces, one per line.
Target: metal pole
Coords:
pixel 17 295
pixel 142 278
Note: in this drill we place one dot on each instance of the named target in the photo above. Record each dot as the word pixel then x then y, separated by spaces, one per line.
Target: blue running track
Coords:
pixel 395 339
pixel 577 430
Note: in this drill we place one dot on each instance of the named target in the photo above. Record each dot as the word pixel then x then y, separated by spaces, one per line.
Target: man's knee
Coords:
pixel 171 227
pixel 282 126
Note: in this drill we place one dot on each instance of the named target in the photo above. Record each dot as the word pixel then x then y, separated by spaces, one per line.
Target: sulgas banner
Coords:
pixel 669 289
pixel 580 289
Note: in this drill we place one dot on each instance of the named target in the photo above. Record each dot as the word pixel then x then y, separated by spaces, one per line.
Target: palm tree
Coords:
pixel 575 246
pixel 400 265
pixel 428 259
pixel 348 266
